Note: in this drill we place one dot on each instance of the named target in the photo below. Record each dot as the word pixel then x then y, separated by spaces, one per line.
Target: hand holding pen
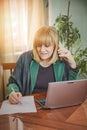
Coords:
pixel 15 97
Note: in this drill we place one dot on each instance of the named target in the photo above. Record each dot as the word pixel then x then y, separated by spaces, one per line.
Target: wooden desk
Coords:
pixel 71 118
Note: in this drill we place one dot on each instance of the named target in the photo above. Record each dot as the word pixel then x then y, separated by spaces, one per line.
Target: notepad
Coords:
pixel 26 106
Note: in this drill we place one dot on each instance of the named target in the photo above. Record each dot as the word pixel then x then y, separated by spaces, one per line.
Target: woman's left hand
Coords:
pixel 66 55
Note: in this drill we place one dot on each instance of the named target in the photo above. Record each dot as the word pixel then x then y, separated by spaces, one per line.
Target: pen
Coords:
pixel 14 91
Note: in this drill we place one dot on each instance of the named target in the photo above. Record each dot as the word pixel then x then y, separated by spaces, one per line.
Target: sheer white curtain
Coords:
pixel 19 20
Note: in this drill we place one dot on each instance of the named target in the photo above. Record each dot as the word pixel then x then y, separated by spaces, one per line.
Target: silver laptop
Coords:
pixel 64 94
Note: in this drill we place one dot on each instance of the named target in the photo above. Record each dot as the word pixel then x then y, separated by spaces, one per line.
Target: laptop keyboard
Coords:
pixel 41 100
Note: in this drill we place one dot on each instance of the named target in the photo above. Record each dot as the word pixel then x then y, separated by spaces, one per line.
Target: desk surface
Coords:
pixel 71 118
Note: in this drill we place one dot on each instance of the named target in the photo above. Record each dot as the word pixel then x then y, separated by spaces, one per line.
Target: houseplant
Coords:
pixel 70 37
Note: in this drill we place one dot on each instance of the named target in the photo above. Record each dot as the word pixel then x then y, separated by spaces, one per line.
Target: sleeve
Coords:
pixel 19 79
pixel 9 90
pixel 15 79
pixel 70 73
pixel 73 73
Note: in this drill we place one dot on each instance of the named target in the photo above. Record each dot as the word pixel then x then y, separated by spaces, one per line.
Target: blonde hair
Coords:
pixel 46 35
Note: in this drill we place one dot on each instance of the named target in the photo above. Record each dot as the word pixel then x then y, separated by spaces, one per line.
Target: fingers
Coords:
pixel 63 53
pixel 15 97
pixel 66 55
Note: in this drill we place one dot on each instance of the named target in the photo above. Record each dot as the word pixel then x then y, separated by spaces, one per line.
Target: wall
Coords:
pixel 78 10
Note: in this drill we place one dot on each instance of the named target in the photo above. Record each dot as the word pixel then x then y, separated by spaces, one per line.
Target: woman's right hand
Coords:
pixel 15 97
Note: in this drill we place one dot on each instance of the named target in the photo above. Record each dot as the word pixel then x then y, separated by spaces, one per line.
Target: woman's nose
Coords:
pixel 42 48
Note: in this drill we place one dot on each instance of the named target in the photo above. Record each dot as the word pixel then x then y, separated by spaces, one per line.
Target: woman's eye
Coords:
pixel 46 45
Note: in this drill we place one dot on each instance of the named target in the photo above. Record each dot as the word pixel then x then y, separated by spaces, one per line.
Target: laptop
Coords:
pixel 64 94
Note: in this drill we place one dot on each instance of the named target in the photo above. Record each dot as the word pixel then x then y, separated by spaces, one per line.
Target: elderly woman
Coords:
pixel 47 62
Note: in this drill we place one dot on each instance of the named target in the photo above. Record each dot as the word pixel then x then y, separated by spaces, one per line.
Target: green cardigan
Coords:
pixel 25 73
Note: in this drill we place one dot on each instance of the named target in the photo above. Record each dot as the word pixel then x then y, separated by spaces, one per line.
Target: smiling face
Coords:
pixel 46 44
pixel 45 52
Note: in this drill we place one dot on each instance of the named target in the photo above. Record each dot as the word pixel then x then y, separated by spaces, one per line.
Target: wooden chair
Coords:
pixel 6 67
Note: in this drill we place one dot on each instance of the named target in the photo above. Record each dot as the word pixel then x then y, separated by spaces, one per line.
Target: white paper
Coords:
pixel 27 105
